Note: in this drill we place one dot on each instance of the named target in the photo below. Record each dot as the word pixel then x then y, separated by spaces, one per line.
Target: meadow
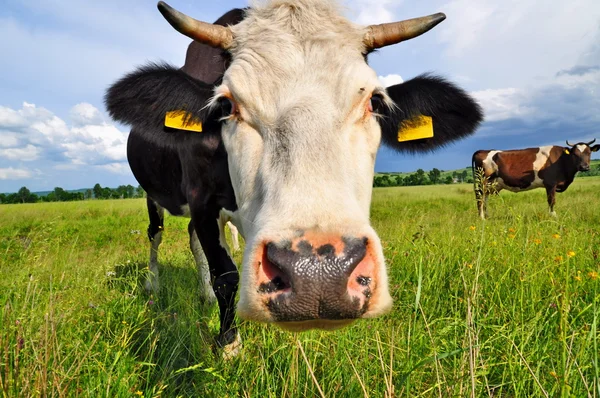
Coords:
pixel 507 307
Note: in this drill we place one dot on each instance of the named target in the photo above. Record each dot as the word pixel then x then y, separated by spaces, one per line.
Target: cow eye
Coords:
pixel 227 106
pixel 376 103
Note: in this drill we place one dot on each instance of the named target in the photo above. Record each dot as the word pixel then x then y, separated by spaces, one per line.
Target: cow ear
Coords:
pixel 147 97
pixel 595 148
pixel 429 113
pixel 207 63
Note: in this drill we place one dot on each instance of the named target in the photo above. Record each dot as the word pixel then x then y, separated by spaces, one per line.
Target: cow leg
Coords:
pixel 207 294
pixel 155 229
pixel 234 236
pixel 225 279
pixel 551 193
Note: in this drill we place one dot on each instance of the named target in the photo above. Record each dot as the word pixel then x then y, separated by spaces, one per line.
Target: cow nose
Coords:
pixel 310 280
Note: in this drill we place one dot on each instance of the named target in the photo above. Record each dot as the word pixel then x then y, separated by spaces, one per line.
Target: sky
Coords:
pixel 534 67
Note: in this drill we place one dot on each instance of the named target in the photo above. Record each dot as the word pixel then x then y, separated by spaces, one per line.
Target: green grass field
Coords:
pixel 508 307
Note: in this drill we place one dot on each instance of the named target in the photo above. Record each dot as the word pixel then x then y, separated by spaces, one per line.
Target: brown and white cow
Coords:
pixel 290 132
pixel 552 167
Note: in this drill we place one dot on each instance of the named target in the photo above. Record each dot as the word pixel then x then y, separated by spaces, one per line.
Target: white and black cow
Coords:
pixel 551 167
pixel 287 152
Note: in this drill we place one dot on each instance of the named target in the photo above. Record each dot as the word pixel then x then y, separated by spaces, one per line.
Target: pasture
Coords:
pixel 503 307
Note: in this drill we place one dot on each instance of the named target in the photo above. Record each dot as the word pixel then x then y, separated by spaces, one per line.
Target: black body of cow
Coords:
pixel 179 168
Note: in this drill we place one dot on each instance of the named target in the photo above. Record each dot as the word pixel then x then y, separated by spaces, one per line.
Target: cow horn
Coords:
pixel 214 35
pixel 385 34
pixel 568 143
pixel 591 142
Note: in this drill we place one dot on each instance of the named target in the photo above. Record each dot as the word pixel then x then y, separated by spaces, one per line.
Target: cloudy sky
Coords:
pixel 534 66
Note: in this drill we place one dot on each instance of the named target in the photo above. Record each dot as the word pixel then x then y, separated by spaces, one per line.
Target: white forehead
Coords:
pixel 299 49
pixel 581 147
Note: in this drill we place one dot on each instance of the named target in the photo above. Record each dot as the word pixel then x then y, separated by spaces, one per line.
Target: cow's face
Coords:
pixel 302 122
pixel 581 154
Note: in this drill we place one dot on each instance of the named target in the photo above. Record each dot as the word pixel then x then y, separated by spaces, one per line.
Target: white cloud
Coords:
pixel 8 139
pixel 117 168
pixel 373 11
pixel 517 42
pixel 546 100
pixel 25 154
pixel 88 141
pixel 14 174
pixel 83 114
pixel 390 80
pixel 502 104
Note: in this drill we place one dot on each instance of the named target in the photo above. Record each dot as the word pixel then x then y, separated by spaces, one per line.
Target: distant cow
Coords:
pixel 552 167
pixel 290 132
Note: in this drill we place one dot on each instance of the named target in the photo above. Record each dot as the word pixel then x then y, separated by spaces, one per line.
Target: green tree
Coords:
pixel 97 191
pixel 139 192
pixel 120 192
pixel 420 177
pixel 88 194
pixel 448 179
pixel 130 191
pixel 24 195
pixel 61 195
pixel 434 175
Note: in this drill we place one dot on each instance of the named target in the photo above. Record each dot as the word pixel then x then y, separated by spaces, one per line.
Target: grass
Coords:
pixel 506 307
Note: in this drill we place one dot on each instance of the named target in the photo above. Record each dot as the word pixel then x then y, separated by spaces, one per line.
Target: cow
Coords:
pixel 552 167
pixel 289 136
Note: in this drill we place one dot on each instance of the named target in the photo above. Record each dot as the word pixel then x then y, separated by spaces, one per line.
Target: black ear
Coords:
pixel 207 63
pixel 143 98
pixel 455 115
pixel 595 148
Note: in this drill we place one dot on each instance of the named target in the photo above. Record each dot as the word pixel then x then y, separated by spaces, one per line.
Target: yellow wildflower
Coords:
pixel 472 227
pixel 512 230
pixel 139 393
pixel 511 236
pixel 570 253
pixel 494 243
pixel 578 276
pixel 593 275
pixel 469 266
pixel 558 258
pixel 556 236
pixel 553 374
pixel 537 241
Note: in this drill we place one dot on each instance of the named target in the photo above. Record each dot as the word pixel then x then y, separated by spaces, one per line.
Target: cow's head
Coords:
pixel 303 116
pixel 580 154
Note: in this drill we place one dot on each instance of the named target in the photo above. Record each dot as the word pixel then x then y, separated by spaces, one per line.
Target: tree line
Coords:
pixel 421 177
pixel 434 176
pixel 24 195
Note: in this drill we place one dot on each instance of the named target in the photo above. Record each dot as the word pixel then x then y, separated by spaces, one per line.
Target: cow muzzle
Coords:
pixel 317 281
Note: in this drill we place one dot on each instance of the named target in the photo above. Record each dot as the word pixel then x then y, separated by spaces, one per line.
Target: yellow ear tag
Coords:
pixel 416 128
pixel 567 152
pixel 176 120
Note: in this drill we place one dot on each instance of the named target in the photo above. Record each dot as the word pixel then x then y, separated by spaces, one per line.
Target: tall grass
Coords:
pixel 503 307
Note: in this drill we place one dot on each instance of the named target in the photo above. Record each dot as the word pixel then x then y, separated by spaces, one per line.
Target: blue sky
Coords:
pixel 534 67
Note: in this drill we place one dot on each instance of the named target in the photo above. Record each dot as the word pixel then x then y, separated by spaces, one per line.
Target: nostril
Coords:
pixel 363 280
pixel 277 279
pixel 355 252
pixel 274 285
